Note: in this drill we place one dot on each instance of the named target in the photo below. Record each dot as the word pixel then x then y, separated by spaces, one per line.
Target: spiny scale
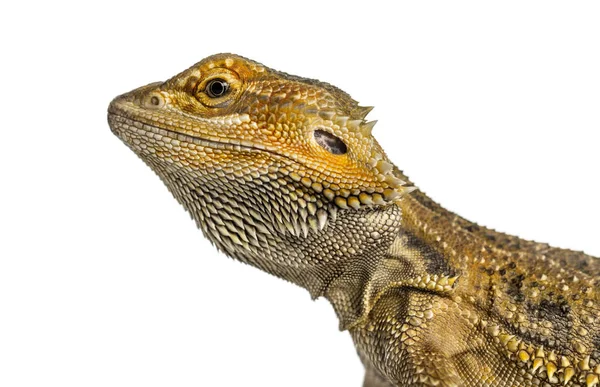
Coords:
pixel 367 128
pixel 363 111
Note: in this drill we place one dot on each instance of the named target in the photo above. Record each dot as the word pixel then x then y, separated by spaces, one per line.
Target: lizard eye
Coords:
pixel 330 142
pixel 217 88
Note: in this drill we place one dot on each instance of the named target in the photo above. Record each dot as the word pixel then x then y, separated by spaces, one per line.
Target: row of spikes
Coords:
pixel 356 125
pixel 556 368
pixel 360 125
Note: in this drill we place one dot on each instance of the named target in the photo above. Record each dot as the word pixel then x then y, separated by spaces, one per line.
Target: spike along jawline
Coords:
pixel 391 189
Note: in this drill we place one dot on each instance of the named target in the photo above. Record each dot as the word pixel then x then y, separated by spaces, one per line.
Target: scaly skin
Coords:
pixel 428 297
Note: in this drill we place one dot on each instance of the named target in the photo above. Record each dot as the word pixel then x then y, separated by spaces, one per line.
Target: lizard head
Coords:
pixel 252 152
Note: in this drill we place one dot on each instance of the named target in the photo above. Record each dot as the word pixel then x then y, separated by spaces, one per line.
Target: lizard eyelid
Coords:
pixel 330 142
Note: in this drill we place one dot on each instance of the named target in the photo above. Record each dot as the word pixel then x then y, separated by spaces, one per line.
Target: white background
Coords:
pixel 492 109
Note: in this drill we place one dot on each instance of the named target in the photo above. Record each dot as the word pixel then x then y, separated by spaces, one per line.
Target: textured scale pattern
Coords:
pixel 283 173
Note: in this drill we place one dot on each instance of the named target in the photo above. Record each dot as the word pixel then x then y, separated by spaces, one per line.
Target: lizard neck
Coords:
pixel 352 261
pixel 410 260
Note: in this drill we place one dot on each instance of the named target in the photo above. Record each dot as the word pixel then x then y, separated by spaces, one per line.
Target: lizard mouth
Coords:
pixel 120 122
pixel 126 115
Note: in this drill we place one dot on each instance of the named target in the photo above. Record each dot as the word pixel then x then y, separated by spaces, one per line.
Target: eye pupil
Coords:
pixel 154 100
pixel 217 88
pixel 330 142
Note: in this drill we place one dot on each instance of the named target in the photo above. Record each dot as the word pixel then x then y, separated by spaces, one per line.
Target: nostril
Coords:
pixel 154 100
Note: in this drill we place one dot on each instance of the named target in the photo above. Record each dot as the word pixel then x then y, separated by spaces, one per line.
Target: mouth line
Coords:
pixel 141 126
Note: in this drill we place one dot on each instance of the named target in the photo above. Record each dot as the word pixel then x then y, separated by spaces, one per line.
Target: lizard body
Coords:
pixel 282 173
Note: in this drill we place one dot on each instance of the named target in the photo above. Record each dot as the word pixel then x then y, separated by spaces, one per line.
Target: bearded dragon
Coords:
pixel 283 173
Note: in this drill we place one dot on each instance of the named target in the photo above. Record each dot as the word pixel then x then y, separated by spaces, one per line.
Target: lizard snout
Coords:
pixel 137 96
